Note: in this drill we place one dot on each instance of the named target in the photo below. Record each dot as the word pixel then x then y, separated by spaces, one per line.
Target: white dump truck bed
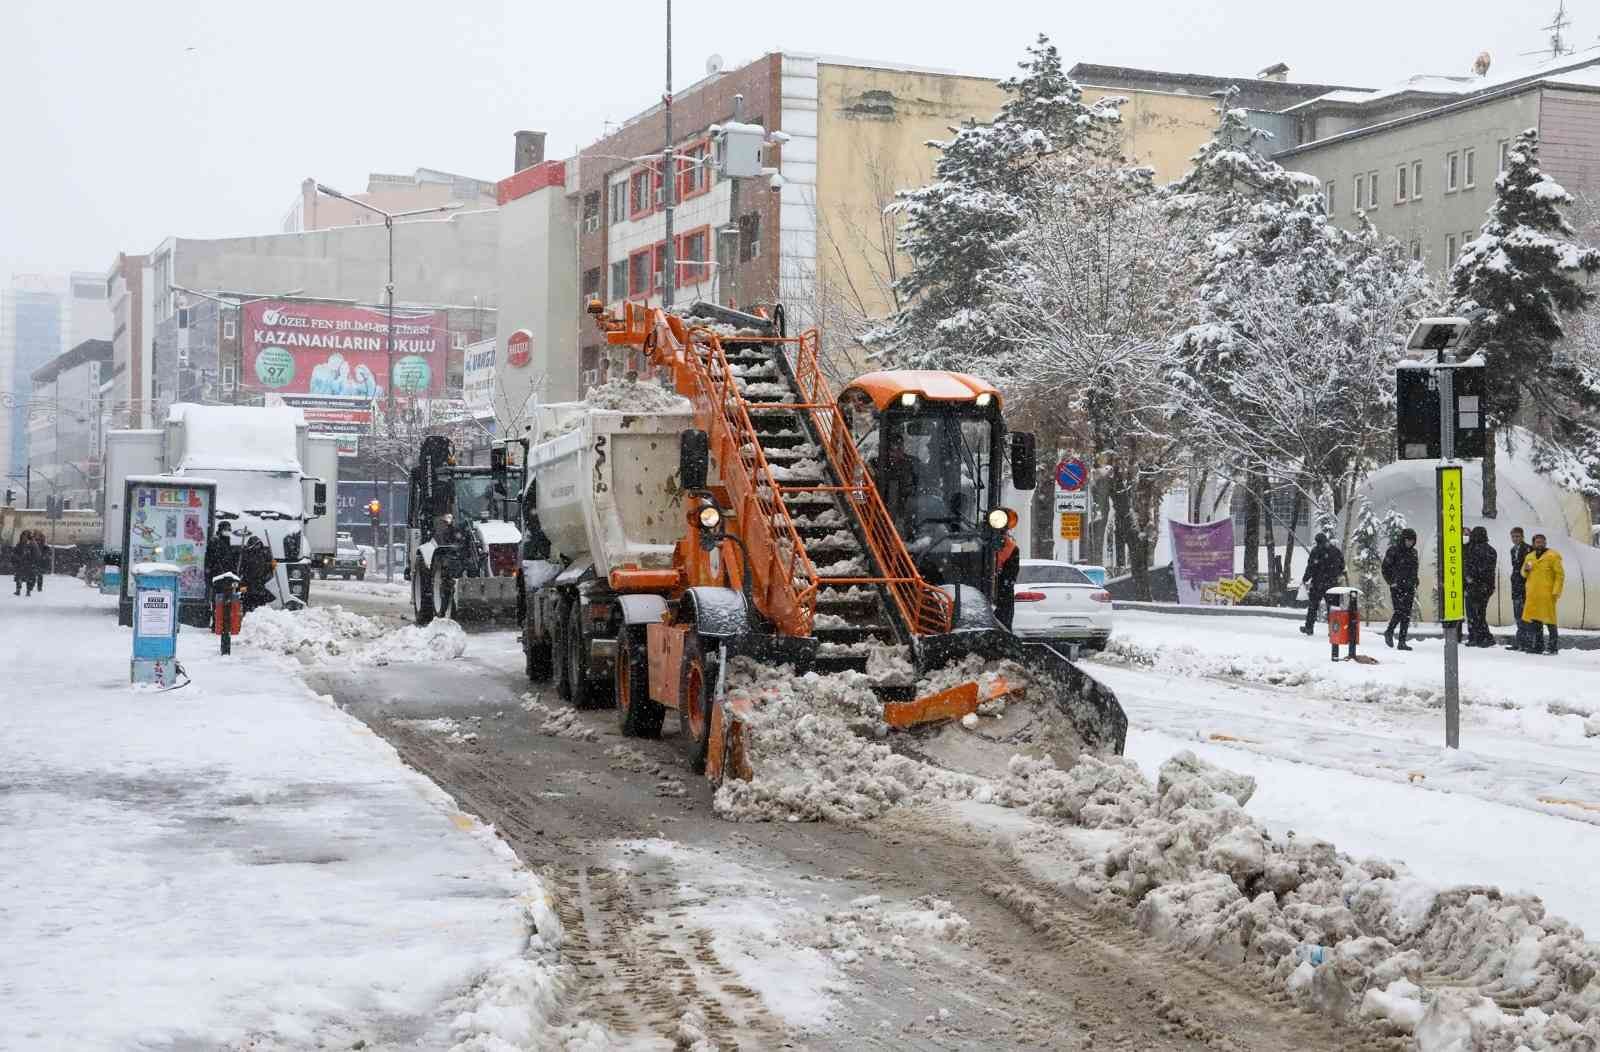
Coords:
pixel 605 487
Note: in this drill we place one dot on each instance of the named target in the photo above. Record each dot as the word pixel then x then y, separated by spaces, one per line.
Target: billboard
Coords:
pixel 477 377
pixel 342 350
pixel 344 418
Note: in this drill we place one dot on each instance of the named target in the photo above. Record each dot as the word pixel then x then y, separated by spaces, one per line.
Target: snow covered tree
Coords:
pixel 1085 312
pixel 1369 542
pixel 1241 196
pixel 1516 281
pixel 983 192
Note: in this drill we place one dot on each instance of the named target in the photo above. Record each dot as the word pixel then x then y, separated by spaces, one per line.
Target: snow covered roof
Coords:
pixel 238 438
pixel 1580 64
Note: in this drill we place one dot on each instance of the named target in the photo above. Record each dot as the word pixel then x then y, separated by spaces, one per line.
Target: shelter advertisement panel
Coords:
pixel 170 523
pixel 342 350
pixel 1202 561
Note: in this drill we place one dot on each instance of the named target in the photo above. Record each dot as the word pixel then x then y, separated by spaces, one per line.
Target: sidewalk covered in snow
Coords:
pixel 234 863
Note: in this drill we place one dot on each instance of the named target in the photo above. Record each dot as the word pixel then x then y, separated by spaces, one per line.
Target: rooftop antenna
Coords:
pixel 1557 28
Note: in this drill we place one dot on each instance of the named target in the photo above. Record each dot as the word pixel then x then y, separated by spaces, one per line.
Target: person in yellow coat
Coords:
pixel 1544 576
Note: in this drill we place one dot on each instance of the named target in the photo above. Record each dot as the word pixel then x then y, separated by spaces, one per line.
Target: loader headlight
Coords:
pixel 710 517
pixel 983 400
pixel 999 518
pixel 909 399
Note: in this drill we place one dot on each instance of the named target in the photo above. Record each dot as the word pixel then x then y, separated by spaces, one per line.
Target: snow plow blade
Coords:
pixel 960 700
pixel 485 598
pixel 1092 706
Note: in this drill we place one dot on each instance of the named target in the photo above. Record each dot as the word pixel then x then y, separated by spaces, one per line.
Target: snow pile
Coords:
pixel 631 396
pixel 867 929
pixel 1346 938
pixel 326 634
pixel 559 722
pixel 812 746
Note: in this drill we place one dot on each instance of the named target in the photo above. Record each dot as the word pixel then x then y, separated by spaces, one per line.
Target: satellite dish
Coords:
pixel 713 65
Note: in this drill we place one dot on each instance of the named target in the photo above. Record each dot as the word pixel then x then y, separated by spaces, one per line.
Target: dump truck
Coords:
pixel 762 515
pixel 463 546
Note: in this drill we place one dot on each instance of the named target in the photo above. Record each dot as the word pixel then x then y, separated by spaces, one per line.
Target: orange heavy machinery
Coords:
pixel 772 518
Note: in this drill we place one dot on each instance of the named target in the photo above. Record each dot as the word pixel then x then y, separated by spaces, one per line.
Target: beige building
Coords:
pixel 1423 170
pixel 423 188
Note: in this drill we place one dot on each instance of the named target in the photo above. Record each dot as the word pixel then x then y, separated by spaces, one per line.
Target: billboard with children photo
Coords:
pixel 342 350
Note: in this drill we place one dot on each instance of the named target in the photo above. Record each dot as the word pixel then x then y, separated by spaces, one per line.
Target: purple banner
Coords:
pixel 1202 561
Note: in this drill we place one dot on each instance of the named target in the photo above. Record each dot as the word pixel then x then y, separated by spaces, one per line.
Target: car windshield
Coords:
pixel 473 497
pixel 1051 573
pixel 264 494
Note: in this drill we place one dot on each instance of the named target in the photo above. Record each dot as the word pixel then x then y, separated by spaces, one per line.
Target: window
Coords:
pixel 694 170
pixel 1467 238
pixel 1355 204
pixel 1401 178
pixel 619 200
pixel 591 211
pixel 1416 251
pixel 183 317
pixel 1452 172
pixel 591 284
pixel 639 200
pixel 619 280
pixel 1469 174
pixel 458 341
pixel 639 273
pixel 229 328
pixel 1505 150
pixel 694 247
pixel 1450 250
pixel 1372 189
pixel 1329 196
pixel 749 237
pixel 1416 180
pixel 660 265
pixel 227 376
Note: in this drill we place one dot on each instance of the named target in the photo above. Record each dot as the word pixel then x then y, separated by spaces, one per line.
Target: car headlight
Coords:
pixel 999 518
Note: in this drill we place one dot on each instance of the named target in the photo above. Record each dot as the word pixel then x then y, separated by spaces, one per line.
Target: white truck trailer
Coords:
pixel 602 492
pixel 274 480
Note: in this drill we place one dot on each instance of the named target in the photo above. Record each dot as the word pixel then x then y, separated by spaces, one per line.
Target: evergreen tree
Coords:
pixel 1515 281
pixel 985 183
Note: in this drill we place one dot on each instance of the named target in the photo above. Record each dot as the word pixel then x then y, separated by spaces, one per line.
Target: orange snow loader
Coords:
pixel 830 533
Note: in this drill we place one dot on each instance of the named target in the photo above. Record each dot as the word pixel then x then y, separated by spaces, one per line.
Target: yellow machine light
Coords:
pixel 983 399
pixel 999 518
pixel 710 517
pixel 908 399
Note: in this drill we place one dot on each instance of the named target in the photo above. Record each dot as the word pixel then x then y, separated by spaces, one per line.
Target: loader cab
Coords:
pixel 933 443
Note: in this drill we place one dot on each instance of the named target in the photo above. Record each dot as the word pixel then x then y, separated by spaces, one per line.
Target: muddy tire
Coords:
pixel 558 650
pixel 694 703
pixel 538 657
pixel 638 716
pixel 421 595
pixel 579 688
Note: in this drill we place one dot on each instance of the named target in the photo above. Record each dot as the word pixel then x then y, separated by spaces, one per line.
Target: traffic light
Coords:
pixel 374 509
pixel 11 495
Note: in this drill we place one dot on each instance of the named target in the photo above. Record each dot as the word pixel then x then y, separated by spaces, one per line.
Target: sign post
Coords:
pixel 1072 504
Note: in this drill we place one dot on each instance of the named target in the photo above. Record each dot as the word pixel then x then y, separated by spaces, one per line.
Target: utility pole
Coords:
pixel 669 176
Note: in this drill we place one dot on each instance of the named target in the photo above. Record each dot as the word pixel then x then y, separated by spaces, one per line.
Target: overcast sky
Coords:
pixel 128 122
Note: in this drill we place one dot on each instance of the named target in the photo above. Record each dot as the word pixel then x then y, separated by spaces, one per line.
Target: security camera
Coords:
pixel 777 138
pixel 775 183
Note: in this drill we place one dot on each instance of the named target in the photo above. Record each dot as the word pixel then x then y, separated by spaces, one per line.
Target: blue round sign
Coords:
pixel 1071 473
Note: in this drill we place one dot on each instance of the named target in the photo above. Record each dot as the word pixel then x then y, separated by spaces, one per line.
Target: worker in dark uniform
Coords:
pixel 1007 564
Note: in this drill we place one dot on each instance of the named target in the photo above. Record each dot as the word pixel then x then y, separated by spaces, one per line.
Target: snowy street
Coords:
pixel 233 864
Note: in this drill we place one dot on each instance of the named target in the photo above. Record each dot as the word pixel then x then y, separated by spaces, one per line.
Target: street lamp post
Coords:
pixel 388 222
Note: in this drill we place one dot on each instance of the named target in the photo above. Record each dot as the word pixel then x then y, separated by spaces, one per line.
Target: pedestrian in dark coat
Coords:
pixel 22 557
pixel 255 568
pixel 1519 589
pixel 1400 574
pixel 1324 568
pixel 41 560
pixel 220 556
pixel 1478 564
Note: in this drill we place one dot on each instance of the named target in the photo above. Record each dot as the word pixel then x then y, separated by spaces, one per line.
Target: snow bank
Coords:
pixel 330 634
pixel 631 396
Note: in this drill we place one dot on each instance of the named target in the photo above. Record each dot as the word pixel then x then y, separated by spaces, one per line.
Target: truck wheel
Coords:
pixel 444 592
pixel 558 650
pixel 694 703
pixel 639 716
pixel 421 596
pixel 537 657
pixel 579 690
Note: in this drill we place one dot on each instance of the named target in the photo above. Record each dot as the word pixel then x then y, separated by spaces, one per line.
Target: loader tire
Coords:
pixel 580 688
pixel 694 703
pixel 638 716
pixel 422 596
pixel 538 657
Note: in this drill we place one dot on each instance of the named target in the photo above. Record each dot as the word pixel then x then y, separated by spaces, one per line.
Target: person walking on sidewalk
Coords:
pixel 42 558
pixel 1478 562
pixel 1324 567
pixel 22 557
pixel 1544 575
pixel 1519 587
pixel 1400 574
